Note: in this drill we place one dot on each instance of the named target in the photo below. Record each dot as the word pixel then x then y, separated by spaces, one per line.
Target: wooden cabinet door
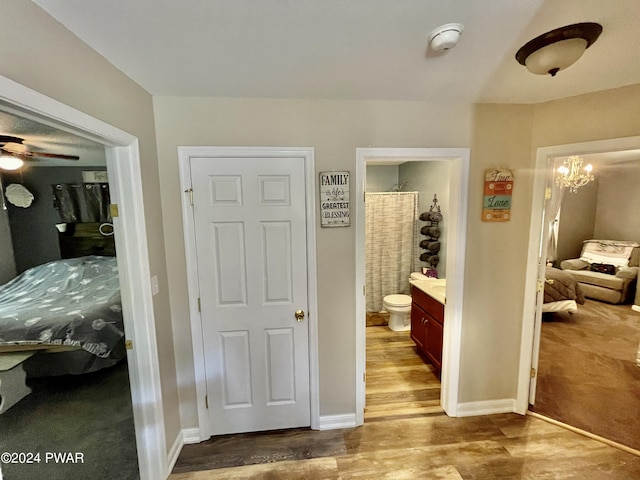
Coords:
pixel 418 317
pixel 433 341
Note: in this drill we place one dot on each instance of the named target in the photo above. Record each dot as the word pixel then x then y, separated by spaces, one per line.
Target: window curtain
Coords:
pixel 553 214
pixel 82 203
pixel 391 244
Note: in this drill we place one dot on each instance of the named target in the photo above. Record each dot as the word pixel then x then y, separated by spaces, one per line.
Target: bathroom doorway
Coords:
pixel 457 163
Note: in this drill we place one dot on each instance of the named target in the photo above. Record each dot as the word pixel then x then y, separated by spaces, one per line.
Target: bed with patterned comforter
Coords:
pixel 71 305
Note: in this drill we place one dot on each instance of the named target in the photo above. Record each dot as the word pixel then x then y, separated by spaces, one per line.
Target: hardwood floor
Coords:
pixel 407 436
pixel 399 381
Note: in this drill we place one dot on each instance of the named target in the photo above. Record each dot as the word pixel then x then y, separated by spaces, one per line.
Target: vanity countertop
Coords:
pixel 436 288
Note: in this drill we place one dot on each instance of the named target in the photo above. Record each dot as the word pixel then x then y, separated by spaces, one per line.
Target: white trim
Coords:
pixel 334 422
pixel 487 407
pixel 459 188
pixel 635 308
pixel 584 433
pixel 531 315
pixel 307 153
pixel 123 165
pixel 191 436
pixel 174 451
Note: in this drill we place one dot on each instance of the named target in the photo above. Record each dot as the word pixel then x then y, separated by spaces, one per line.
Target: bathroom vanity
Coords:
pixel 427 318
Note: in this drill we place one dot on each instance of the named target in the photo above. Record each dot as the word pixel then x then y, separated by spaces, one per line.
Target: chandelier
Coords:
pixel 573 175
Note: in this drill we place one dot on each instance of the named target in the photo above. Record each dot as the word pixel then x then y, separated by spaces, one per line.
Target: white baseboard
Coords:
pixel 488 407
pixel 191 435
pixel 174 452
pixel 635 308
pixel 332 422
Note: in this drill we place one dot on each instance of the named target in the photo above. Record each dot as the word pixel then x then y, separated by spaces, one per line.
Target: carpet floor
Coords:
pixel 587 373
pixel 88 414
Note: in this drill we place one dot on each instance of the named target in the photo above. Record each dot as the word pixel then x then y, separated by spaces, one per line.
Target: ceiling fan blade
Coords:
pixel 51 155
pixel 10 139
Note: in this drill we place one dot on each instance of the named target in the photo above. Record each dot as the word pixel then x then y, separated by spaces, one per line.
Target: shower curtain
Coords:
pixel 391 244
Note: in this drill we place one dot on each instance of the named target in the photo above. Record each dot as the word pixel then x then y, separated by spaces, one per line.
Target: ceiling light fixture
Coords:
pixel 445 37
pixel 9 162
pixel 572 175
pixel 558 49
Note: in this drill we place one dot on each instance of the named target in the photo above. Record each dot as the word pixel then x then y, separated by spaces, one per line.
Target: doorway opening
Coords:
pixel 458 161
pixel 123 166
pixel 63 251
pixel 559 391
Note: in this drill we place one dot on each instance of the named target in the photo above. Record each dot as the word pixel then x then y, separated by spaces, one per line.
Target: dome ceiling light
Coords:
pixel 558 49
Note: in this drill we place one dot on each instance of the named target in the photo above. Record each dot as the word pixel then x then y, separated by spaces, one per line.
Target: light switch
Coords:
pixel 155 287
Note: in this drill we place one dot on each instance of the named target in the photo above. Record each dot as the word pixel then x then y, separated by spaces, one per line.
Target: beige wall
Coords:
pixel 509 135
pixel 577 220
pixel 335 129
pixel 39 53
pixel 52 61
pixel 604 209
pixel 496 257
pixel 617 215
pixel 429 178
pixel 598 116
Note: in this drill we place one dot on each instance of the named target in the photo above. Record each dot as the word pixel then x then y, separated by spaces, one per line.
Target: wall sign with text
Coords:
pixel 498 187
pixel 334 199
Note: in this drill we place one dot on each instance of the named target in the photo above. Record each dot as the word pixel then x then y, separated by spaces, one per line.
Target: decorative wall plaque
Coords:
pixel 334 199
pixel 498 188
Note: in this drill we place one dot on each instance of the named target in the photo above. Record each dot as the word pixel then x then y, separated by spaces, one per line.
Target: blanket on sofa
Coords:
pixel 560 285
pixel 610 252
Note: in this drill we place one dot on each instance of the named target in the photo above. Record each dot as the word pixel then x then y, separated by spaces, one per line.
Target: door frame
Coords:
pixel 306 154
pixel 532 309
pixel 455 263
pixel 125 187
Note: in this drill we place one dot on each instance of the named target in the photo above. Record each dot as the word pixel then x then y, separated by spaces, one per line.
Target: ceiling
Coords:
pixel 351 49
pixel 338 49
pixel 43 138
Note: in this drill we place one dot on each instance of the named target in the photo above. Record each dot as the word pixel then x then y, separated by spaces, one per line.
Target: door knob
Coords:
pixel 299 315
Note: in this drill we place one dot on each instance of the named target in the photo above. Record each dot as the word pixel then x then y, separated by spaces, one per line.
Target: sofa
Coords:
pixel 607 270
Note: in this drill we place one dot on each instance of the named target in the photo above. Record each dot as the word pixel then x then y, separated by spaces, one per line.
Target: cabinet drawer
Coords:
pixel 428 304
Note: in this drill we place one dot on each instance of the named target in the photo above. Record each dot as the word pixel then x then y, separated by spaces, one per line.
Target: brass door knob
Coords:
pixel 299 315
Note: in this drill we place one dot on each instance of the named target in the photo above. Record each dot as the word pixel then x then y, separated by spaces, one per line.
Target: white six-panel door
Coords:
pixel 250 236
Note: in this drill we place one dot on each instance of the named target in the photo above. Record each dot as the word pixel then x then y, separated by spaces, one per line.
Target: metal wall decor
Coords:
pixel 431 244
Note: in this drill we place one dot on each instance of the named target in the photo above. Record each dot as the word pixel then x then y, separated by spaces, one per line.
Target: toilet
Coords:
pixel 399 308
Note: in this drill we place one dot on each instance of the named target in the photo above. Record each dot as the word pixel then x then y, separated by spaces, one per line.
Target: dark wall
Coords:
pixel 33 231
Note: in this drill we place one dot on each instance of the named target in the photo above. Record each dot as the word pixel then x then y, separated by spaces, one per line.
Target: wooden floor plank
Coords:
pixel 407 436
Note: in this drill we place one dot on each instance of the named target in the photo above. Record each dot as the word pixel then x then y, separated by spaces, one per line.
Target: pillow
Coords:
pixel 603 268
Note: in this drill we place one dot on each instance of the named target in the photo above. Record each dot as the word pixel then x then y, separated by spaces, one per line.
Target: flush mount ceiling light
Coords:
pixel 445 37
pixel 558 49
pixel 9 162
pixel 572 175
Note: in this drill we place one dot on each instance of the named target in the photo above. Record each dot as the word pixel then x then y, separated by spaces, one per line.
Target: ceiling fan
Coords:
pixel 16 152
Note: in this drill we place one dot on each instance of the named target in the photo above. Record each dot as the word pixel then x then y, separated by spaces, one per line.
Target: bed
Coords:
pixel 68 311
pixel 562 293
